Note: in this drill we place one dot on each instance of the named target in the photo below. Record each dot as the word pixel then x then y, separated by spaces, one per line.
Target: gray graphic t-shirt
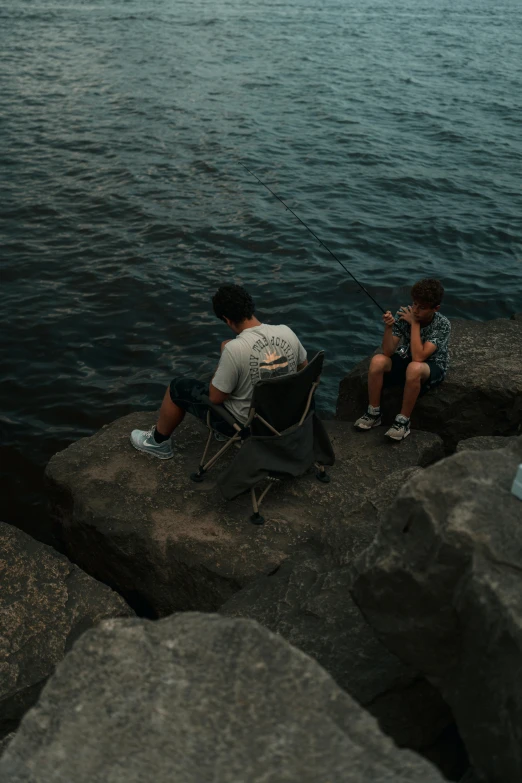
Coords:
pixel 437 332
pixel 258 353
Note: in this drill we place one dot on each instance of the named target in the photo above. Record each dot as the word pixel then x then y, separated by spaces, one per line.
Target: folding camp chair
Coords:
pixel 281 437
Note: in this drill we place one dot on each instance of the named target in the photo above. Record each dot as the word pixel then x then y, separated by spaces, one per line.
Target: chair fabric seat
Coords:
pixel 290 454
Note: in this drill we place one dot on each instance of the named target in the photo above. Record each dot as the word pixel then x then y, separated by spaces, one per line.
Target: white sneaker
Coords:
pixel 143 440
pixel 367 421
pixel 400 428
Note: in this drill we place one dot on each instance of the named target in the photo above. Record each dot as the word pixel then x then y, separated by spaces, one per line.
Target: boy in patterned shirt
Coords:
pixel 414 354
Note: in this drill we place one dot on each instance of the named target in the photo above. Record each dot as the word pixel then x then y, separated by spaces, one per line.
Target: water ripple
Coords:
pixel 393 130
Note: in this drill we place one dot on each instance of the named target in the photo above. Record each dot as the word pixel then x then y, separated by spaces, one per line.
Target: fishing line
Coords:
pixel 313 234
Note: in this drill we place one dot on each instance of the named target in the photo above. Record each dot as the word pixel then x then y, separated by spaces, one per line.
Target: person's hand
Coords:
pixel 407 314
pixel 388 319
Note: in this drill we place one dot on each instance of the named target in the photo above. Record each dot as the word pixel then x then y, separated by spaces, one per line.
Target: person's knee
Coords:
pixel 179 388
pixel 416 371
pixel 380 363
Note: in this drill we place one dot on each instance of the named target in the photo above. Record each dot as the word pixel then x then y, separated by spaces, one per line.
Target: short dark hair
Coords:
pixel 233 302
pixel 428 291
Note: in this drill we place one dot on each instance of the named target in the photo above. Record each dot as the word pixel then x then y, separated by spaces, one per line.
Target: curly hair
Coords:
pixel 233 302
pixel 428 291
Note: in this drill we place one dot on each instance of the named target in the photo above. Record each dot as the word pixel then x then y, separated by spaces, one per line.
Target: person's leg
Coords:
pixel 182 396
pixel 170 416
pixel 417 373
pixel 188 395
pixel 157 441
pixel 435 378
pixel 379 365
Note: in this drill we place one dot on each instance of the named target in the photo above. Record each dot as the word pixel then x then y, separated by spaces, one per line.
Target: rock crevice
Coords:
pixel 457 576
pixel 45 603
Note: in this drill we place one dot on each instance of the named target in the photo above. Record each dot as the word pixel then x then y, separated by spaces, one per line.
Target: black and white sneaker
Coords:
pixel 367 421
pixel 400 428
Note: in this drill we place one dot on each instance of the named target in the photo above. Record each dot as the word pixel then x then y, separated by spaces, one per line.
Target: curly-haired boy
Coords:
pixel 414 354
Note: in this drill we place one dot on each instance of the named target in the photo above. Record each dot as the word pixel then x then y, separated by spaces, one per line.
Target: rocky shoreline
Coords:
pixel 371 630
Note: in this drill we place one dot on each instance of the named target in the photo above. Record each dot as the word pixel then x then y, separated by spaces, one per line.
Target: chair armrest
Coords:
pixel 221 411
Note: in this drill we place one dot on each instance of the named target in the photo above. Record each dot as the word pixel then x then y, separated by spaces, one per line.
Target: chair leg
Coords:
pixel 221 451
pixel 200 473
pixel 321 474
pixel 256 517
pixel 199 476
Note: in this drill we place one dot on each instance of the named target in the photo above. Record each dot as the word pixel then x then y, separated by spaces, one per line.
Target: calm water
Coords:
pixel 393 128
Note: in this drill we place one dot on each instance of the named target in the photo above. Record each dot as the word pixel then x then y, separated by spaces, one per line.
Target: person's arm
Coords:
pixel 216 396
pixel 420 352
pixel 302 365
pixel 389 341
pixel 225 378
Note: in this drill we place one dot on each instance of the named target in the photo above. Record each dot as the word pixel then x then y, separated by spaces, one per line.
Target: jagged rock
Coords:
pixel 344 538
pixel 516 317
pixel 485 443
pixel 471 777
pixel 309 604
pixel 140 523
pixel 45 604
pixel 481 395
pixel 4 742
pixel 442 587
pixel 199 698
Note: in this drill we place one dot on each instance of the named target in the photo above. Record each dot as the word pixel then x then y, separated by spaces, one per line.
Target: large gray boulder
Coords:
pixel 442 587
pixel 343 538
pixel 45 604
pixel 199 699
pixel 481 395
pixel 485 443
pixel 4 742
pixel 140 524
pixel 308 602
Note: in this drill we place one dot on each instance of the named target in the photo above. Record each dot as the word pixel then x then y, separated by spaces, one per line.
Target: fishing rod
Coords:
pixel 313 234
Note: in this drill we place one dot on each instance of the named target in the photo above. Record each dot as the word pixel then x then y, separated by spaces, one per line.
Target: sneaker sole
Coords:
pixel 152 453
pixel 398 439
pixel 367 429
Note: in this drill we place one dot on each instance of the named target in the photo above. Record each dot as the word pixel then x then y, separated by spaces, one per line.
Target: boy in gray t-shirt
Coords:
pixel 258 351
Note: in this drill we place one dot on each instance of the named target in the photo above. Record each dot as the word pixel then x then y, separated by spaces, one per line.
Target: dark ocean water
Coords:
pixel 393 128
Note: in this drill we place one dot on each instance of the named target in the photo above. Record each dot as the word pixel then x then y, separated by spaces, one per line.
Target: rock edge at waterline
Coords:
pixel 141 525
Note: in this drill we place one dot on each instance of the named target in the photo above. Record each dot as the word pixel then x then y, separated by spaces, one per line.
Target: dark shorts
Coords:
pixel 187 394
pixel 397 374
